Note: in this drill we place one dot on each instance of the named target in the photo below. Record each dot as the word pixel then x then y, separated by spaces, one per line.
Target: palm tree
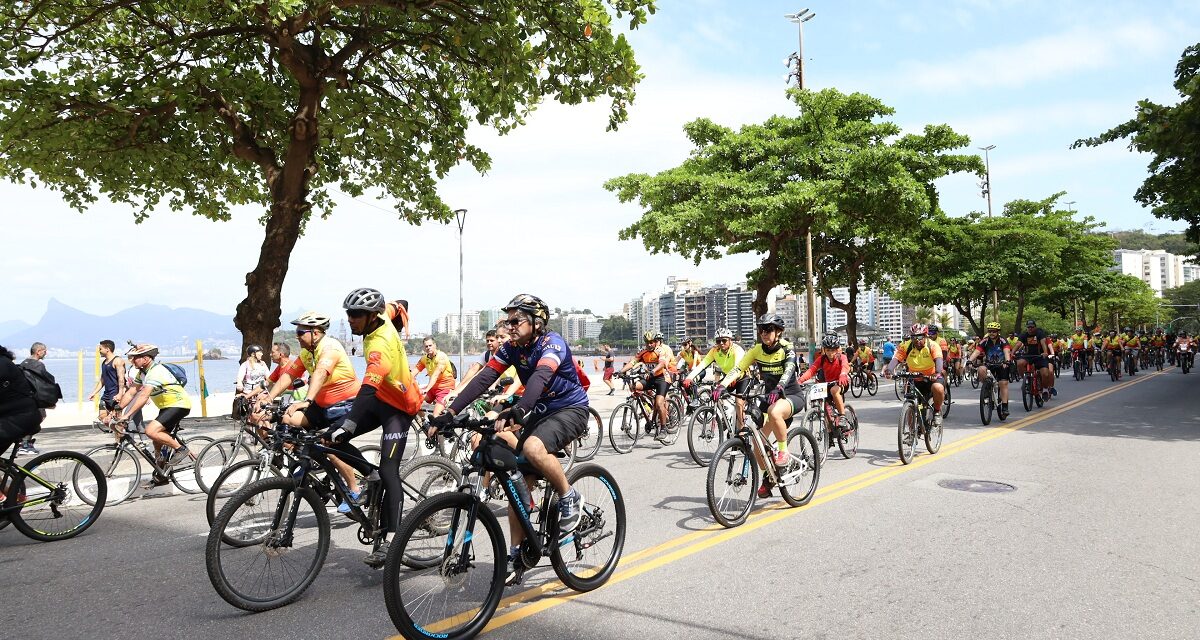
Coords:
pixel 923 315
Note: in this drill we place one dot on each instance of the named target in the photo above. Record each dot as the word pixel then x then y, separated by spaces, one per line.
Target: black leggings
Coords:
pixel 395 425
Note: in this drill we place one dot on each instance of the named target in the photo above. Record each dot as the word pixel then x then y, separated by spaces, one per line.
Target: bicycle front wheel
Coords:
pixel 184 475
pixel 216 457
pixel 62 495
pixel 872 385
pixel 231 481
pixel 587 558
pixel 985 404
pixel 456 595
pixel 121 470
pixel 848 438
pixel 815 423
pixel 799 481
pixel 906 432
pixel 277 556
pixel 933 438
pixel 588 444
pixel 856 386
pixel 733 480
pixel 706 432
pixel 624 427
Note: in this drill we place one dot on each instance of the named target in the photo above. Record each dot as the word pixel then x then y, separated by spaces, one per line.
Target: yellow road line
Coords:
pixel 697 541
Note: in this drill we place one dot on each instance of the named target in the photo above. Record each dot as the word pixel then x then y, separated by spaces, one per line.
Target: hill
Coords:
pixel 65 327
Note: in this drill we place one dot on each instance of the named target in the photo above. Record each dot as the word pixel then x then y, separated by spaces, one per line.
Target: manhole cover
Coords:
pixel 975 486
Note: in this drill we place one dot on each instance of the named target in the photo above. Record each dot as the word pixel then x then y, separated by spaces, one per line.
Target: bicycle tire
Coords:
pixel 933 438
pixel 1026 395
pixel 121 482
pixel 804 466
pixel 595 484
pixel 589 442
pixel 216 550
pixel 946 402
pixel 814 421
pixel 394 593
pixel 848 442
pixel 706 432
pixel 725 478
pixel 670 434
pixel 906 432
pixel 64 503
pixel 217 456
pixel 183 475
pixel 856 388
pixel 231 481
pixel 985 404
pixel 872 385
pixel 624 428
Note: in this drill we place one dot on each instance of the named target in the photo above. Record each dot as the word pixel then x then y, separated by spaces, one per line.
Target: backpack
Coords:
pixel 45 391
pixel 177 371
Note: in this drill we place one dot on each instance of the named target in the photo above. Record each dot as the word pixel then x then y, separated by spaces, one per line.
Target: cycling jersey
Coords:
pixel 1034 342
pixel 1112 344
pixel 919 360
pixel 165 390
pixel 954 352
pixel 341 383
pixel 865 354
pixel 387 367
pixel 777 366
pixel 726 362
pixel 653 357
pixel 1133 342
pixel 992 350
pixel 829 369
pixel 564 388
pixel 1078 342
pixel 1158 341
pixel 430 364
pixel 689 357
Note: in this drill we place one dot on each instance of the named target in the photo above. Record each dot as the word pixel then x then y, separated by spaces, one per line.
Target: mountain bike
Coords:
pixel 269 541
pixel 989 399
pixel 222 453
pixel 899 383
pixel 863 379
pixel 1131 362
pixel 973 377
pixel 1159 360
pixel 916 421
pixel 1114 364
pixel 55 496
pixel 638 414
pixel 828 428
pixel 121 463
pixel 953 376
pixel 1079 367
pixel 734 475
pixel 709 425
pixel 446 568
pixel 1031 387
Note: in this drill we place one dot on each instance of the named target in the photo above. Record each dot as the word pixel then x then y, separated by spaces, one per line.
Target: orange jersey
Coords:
pixel 654 357
pixel 341 383
pixel 446 378
pixel 387 366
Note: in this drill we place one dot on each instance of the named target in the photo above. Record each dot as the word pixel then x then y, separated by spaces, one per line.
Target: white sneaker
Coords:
pixel 937 420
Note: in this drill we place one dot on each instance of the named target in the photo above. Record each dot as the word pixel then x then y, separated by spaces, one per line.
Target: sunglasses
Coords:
pixel 722 340
pixel 514 323
pixel 300 332
pixel 356 313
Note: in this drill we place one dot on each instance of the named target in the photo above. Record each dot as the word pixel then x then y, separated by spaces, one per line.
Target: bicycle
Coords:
pixel 263 551
pixel 1131 362
pixel 1031 387
pixel 55 496
pixel 709 425
pixel 952 375
pixel 973 377
pixel 121 463
pixel 734 475
pixel 916 421
pixel 638 413
pixel 1079 367
pixel 989 398
pixel 222 453
pixel 863 379
pixel 899 383
pixel 1114 364
pixel 1186 359
pixel 428 586
pixel 827 428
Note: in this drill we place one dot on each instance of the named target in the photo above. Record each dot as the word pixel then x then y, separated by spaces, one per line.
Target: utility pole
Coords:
pixel 460 216
pixel 799 18
pixel 987 193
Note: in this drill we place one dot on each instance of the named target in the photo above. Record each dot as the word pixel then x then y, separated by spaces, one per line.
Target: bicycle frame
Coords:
pixel 13 471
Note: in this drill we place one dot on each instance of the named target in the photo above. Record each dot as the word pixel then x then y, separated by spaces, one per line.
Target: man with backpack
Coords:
pixel 35 365
pixel 164 385
pixel 19 416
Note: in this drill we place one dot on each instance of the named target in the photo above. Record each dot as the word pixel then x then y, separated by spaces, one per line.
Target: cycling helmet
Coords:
pixel 312 319
pixel 659 336
pixel 1054 336
pixel 530 304
pixel 1127 329
pixel 143 350
pixel 649 336
pixel 1182 334
pixel 253 349
pixel 830 341
pixel 862 340
pixel 364 299
pixel 724 333
pixel 918 330
pixel 933 329
pixel 771 320
pixel 993 326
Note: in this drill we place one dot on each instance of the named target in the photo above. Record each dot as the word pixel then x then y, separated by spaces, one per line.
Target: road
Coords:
pixel 1096 540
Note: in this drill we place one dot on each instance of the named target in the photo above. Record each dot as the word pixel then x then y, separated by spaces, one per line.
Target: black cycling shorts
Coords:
pixel 109 404
pixel 999 371
pixel 170 417
pixel 324 417
pixel 658 383
pixel 1038 361
pixel 558 428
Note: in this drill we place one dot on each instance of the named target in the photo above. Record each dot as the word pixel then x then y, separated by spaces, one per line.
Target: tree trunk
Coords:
pixel 766 280
pixel 971 319
pixel 1020 311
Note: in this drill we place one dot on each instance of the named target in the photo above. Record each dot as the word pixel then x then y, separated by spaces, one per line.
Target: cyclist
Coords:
pixel 995 355
pixel 154 382
pixel 437 364
pixel 776 363
pixel 954 355
pixel 1158 342
pixel 864 357
pixel 688 358
pixel 830 366
pixel 19 415
pixel 724 356
pixel 922 355
pixel 935 335
pixel 251 377
pixel 1133 343
pixel 494 338
pixel 1113 346
pixel 388 397
pixel 1183 348
pixel 111 382
pixel 552 411
pixel 1080 346
pixel 1037 347
pixel 660 366
pixel 1097 354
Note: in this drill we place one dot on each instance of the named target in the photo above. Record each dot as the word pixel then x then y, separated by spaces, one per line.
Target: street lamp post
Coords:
pixel 460 216
pixel 799 18
pixel 987 192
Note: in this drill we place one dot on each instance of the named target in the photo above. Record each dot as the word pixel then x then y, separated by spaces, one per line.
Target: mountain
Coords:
pixel 9 327
pixel 64 327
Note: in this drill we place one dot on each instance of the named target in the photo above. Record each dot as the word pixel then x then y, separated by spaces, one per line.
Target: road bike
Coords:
pixel 447 567
pixel 734 471
pixel 1031 387
pixel 121 463
pixel 637 415
pixel 916 421
pixel 55 496
pixel 270 539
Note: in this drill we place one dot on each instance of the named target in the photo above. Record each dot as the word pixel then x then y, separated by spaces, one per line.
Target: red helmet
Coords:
pixel 918 330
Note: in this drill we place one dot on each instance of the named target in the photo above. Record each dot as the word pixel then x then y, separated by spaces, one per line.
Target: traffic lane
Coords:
pixel 992 566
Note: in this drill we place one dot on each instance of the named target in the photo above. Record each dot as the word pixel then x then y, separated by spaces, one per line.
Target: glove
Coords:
pixel 441 422
pixel 515 416
pixel 336 434
pixel 775 395
pixel 844 381
pixel 716 392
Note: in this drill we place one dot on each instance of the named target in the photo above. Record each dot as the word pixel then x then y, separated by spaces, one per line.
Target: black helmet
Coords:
pixel 530 304
pixel 771 320
pixel 253 349
pixel 364 299
pixel 830 341
pixel 1030 323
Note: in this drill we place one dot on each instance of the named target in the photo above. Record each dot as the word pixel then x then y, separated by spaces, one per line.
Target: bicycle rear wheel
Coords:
pixel 872 385
pixel 216 457
pixel 624 427
pixel 856 386
pixel 232 480
pixel 946 402
pixel 456 596
pixel 732 486
pixel 798 483
pixel 1026 395
pixel 270 566
pixel 588 444
pixel 587 558
pixel 847 440
pixel 906 432
pixel 706 432
pixel 122 471
pixel 61 497
pixel 933 437
pixel 815 423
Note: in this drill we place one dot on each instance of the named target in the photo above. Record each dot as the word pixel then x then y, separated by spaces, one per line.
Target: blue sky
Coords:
pixel 1028 77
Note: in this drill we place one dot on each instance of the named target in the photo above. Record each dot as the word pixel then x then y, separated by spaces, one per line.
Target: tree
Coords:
pixel 1168 134
pixel 617 331
pixel 837 169
pixel 1188 294
pixel 1133 303
pixel 203 105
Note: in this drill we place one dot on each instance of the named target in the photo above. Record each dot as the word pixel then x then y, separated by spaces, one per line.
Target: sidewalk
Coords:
pixel 68 417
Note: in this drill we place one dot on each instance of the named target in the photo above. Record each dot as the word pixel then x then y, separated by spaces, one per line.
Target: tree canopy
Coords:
pixel 203 105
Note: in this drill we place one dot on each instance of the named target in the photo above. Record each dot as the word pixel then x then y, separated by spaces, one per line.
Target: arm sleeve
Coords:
pixel 480 383
pixel 789 367
pixel 363 403
pixel 535 385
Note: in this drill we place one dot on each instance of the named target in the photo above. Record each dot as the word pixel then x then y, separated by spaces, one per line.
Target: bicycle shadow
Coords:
pixel 698 513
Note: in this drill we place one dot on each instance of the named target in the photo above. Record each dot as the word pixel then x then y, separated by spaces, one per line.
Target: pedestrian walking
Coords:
pixel 111 385
pixel 37 353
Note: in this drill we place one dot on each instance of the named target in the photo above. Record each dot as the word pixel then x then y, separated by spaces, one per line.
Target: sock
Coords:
pixel 782 445
pixel 569 494
pixel 513 551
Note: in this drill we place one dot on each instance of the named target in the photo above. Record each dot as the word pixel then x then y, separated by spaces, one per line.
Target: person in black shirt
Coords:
pixel 19 415
pixel 1036 351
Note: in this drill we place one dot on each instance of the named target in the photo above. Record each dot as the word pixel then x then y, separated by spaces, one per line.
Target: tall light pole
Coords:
pixel 460 216
pixel 799 18
pixel 987 192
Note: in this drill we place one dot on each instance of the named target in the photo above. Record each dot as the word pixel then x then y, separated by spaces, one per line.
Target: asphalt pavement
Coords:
pixel 1090 537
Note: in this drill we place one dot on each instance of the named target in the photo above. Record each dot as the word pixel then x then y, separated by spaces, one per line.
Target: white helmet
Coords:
pixel 312 319
pixel 724 333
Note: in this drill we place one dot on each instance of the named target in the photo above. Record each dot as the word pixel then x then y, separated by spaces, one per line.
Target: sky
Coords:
pixel 1029 77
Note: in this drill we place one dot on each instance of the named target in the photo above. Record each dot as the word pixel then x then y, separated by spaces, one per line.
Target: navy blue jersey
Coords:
pixel 564 389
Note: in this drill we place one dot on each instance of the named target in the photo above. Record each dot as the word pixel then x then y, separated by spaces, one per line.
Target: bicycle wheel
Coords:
pixel 670 434
pixel 906 433
pixel 232 480
pixel 815 423
pixel 456 596
pixel 589 443
pixel 122 471
pixel 732 486
pixel 423 478
pixel 52 496
pixel 624 427
pixel 847 440
pixel 898 389
pixel 1026 395
pixel 974 376
pixel 985 404
pixel 798 483
pixel 706 431
pixel 587 558
pixel 183 475
pixel 946 402
pixel 216 457
pixel 872 385
pixel 856 386
pixel 933 437
pixel 270 566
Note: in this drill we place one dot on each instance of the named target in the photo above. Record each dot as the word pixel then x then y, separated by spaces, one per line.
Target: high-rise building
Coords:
pixel 580 326
pixel 739 314
pixel 1157 268
pixel 489 317
pixel 449 324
